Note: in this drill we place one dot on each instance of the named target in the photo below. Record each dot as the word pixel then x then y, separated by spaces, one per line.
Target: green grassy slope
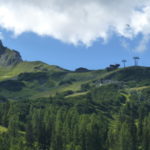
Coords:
pixel 41 80
pixel 37 79
pixel 10 72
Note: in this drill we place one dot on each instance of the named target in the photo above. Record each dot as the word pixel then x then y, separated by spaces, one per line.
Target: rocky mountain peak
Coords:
pixel 8 57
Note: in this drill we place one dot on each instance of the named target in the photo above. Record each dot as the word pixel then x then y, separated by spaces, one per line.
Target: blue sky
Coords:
pixel 54 52
pixel 81 33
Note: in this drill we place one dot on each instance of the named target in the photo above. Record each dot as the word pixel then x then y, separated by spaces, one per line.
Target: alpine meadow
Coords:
pixel 45 107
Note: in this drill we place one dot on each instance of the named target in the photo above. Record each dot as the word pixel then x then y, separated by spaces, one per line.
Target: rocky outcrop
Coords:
pixel 82 70
pixel 9 57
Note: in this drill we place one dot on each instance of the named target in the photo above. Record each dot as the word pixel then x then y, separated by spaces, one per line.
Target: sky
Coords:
pixel 81 33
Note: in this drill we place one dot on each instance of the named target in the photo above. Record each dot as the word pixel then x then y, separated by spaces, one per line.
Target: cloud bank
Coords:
pixel 77 21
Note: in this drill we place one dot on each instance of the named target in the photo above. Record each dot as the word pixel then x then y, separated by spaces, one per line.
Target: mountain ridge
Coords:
pixel 36 79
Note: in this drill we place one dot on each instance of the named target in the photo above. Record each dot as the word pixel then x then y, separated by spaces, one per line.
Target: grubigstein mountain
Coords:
pixel 44 107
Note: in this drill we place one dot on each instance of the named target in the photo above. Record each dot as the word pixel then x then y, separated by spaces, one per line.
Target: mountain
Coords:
pixel 8 57
pixel 44 107
pixel 21 79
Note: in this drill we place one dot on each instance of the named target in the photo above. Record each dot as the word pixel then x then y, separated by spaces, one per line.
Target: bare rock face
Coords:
pixel 9 57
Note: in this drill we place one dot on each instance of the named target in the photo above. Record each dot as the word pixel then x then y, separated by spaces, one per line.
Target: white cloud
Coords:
pixel 76 21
